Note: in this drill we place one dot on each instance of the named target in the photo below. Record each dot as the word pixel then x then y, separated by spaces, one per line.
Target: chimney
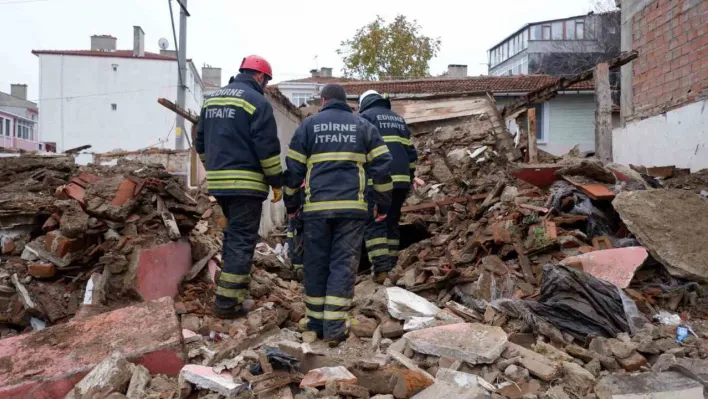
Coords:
pixel 326 72
pixel 19 91
pixel 138 42
pixel 457 71
pixel 103 43
pixel 211 76
pixel 315 73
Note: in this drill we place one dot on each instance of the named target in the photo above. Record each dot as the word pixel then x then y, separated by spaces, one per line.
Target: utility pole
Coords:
pixel 182 72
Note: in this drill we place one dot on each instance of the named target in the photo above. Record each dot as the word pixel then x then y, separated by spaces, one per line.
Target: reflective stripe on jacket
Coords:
pixel 394 131
pixel 237 138
pixel 334 151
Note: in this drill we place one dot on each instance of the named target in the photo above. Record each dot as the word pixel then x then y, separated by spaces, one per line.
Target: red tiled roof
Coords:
pixel 321 79
pixel 493 84
pixel 117 54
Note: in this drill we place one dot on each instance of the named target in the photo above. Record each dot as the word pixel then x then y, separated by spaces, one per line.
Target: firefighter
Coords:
pixel 237 138
pixel 383 238
pixel 334 151
pixel 295 238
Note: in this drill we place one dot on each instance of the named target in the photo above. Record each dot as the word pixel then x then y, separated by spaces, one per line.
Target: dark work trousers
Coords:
pixel 295 240
pixel 332 251
pixel 392 226
pixel 376 243
pixel 243 215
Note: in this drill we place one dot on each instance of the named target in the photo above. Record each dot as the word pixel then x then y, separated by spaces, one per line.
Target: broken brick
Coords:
pixel 124 192
pixel 76 192
pixel 500 233
pixel 89 178
pixel 411 382
pixel 51 224
pixel 633 363
pixel 59 245
pixel 8 245
pixel 318 377
pixel 41 270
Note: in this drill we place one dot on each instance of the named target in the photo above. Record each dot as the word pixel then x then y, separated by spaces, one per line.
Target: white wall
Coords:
pixel 569 120
pixel 289 88
pixel 678 137
pixel 76 94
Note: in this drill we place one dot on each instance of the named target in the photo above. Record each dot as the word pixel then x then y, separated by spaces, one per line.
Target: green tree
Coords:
pixel 388 51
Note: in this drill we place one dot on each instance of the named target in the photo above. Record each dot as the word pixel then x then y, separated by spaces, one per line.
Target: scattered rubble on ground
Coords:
pixel 571 279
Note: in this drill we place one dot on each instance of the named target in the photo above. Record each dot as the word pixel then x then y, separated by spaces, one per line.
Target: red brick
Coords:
pixel 124 192
pixel 160 269
pixel 75 191
pixel 48 363
pixel 50 225
pixel 41 270
pixel 8 245
pixel 89 178
pixel 60 246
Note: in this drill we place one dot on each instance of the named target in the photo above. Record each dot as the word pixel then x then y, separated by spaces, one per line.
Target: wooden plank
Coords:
pixel 534 208
pixel 603 113
pixel 432 205
pixel 426 111
pixel 488 201
pixel 533 143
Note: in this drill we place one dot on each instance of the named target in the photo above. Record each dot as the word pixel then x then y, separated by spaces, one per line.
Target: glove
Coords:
pixel 277 195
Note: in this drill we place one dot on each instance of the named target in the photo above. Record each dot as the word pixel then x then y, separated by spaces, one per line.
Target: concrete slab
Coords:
pixel 616 266
pixel 205 378
pixel 160 269
pixel 669 385
pixel 472 343
pixel 48 363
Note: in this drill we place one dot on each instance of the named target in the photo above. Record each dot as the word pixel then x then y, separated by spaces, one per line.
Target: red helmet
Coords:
pixel 256 63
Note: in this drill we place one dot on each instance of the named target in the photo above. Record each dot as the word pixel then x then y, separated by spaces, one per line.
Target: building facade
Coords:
pixel 664 102
pixel 108 98
pixel 557 47
pixel 302 91
pixel 19 127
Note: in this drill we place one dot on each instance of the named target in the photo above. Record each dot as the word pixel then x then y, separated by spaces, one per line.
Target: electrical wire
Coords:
pixel 174 37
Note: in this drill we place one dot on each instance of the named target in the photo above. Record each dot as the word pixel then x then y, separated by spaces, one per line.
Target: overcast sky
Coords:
pixel 287 33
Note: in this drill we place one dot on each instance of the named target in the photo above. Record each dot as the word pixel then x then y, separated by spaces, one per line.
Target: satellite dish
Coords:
pixel 163 43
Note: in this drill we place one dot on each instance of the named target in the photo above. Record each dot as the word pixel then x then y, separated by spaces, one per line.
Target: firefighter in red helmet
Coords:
pixel 237 140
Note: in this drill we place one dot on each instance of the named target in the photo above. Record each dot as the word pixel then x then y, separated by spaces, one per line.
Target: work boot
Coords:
pixel 302 327
pixel 380 277
pixel 233 312
pixel 300 274
pixel 334 342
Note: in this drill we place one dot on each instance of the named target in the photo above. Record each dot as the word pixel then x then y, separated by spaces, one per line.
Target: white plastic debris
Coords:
pixel 667 318
pixel 404 305
pixel 38 324
pixel 477 152
pixel 418 323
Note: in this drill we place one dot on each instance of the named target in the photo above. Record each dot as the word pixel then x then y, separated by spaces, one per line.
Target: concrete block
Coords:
pixel 137 389
pixel 318 377
pixel 669 385
pixel 159 270
pixel 110 376
pixel 453 384
pixel 48 363
pixel 472 343
pixel 205 378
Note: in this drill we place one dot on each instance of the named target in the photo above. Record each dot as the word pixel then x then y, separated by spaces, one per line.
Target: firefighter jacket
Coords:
pixel 334 151
pixel 237 138
pixel 394 131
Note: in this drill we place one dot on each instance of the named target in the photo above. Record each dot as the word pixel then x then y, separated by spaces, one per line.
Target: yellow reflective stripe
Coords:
pixel 337 156
pixel 291 191
pixel 308 191
pixel 294 155
pixel 314 315
pixel 392 252
pixel 315 300
pixel 396 139
pixel 235 174
pixel 297 266
pixel 378 252
pixel 270 162
pixel 231 293
pixel 234 278
pixel 273 170
pixel 329 315
pixel 370 182
pixel 394 242
pixel 291 234
pixel 378 151
pixel 337 301
pixel 401 178
pixel 411 165
pixel 383 187
pixel 230 101
pixel 335 205
pixel 237 185
pixel 362 180
pixel 376 241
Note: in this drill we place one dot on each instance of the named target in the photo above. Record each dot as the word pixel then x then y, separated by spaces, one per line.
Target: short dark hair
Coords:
pixel 334 92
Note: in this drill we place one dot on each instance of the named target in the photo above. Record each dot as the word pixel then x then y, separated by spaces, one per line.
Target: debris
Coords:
pixel 318 377
pixel 616 266
pixel 391 329
pixel 41 270
pixel 111 375
pixel 411 382
pixel 516 374
pixel 204 377
pixel 648 385
pixel 404 304
pixel 669 223
pixel 538 365
pixel 137 389
pixel 363 326
pixel 29 304
pixel 471 343
pixel 197 268
pixel 577 379
pixel 521 390
pixel 633 363
pixel 453 384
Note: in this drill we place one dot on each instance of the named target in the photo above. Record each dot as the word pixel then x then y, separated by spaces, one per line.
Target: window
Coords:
pixel 540 117
pixel 546 32
pixel 524 40
pixel 570 30
pixel 300 98
pixel 114 107
pixel 557 29
pixel 579 30
pixel 8 131
pixel 2 127
pixel 536 32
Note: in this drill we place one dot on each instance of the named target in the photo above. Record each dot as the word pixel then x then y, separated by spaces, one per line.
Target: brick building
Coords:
pixel 664 91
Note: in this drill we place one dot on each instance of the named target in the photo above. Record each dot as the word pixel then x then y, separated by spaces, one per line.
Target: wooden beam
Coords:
pixel 533 143
pixel 431 205
pixel 547 92
pixel 603 113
